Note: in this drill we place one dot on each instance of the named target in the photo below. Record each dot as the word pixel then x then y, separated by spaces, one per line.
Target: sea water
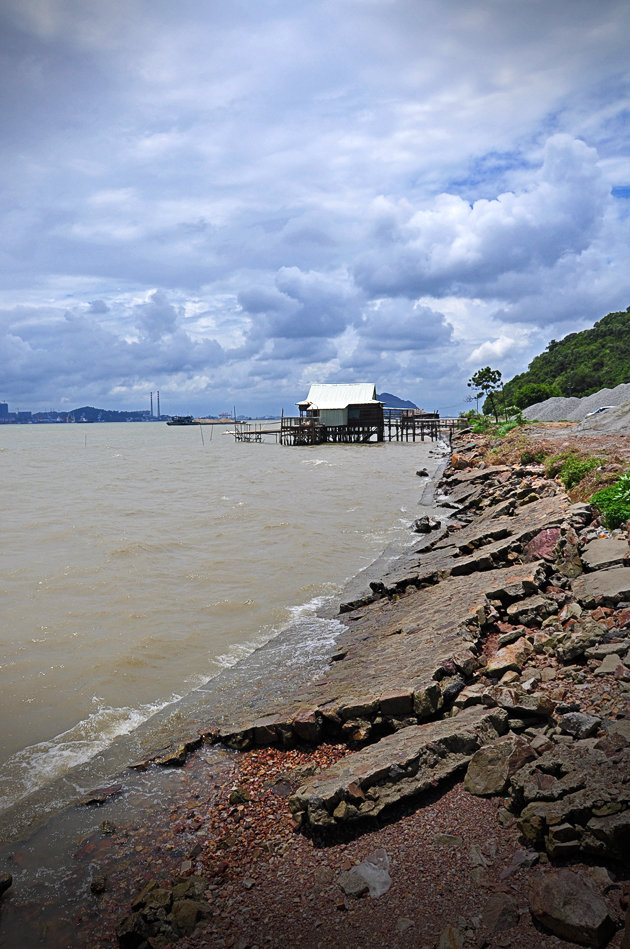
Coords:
pixel 141 561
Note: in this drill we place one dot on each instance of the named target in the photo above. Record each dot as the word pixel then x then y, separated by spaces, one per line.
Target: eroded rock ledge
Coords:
pixel 450 664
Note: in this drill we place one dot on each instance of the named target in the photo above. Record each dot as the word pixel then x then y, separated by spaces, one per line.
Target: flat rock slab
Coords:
pixel 605 552
pixel 605 587
pixel 400 766
pixel 391 659
pixel 482 545
pixel 526 521
pixel 467 475
pixel 449 560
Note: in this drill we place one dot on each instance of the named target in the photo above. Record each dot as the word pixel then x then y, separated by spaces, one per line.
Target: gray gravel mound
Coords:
pixel 573 409
pixel 609 422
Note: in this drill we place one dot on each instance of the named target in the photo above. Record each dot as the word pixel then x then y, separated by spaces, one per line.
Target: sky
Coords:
pixel 228 201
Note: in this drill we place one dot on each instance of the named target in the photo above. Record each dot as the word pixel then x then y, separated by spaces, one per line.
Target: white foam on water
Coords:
pixel 32 768
pixel 303 617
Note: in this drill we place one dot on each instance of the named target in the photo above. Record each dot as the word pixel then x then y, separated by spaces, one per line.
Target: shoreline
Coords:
pixel 68 820
pixel 168 726
pixel 268 776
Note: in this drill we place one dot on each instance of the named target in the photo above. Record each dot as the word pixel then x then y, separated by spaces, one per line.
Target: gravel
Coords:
pixel 575 410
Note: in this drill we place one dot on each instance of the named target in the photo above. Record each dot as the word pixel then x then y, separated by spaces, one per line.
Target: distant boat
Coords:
pixel 182 420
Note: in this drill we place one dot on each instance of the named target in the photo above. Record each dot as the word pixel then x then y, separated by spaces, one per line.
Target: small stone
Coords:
pixel 579 724
pixel 239 795
pixel 352 884
pixel 323 876
pixel 448 840
pixel 174 757
pixel 511 658
pixel 426 524
pixel 501 913
pixel 492 766
pixel 609 666
pixel 520 859
pixel 185 914
pixel 370 876
pixel 6 881
pixel 477 859
pixel 451 938
pixel 100 795
pixel 98 884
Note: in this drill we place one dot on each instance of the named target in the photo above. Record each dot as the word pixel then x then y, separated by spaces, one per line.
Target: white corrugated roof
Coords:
pixel 330 396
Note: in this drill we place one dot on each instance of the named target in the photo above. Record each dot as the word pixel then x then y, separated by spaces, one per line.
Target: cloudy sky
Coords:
pixel 227 201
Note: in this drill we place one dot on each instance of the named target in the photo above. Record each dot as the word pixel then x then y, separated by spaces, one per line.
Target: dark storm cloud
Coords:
pixel 234 199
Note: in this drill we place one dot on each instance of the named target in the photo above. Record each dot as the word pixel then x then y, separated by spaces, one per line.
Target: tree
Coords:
pixel 533 392
pixel 487 381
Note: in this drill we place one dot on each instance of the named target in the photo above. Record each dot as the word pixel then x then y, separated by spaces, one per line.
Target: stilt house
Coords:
pixel 342 404
pixel 336 413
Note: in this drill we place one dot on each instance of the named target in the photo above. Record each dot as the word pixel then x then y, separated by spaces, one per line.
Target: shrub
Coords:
pixel 571 468
pixel 480 424
pixel 514 414
pixel 529 457
pixel 613 502
pixel 506 427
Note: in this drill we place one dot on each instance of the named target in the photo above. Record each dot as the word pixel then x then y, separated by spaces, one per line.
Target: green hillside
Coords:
pixel 577 365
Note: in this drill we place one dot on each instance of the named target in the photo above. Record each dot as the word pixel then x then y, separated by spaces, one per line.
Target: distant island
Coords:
pixel 87 413
pixel 393 402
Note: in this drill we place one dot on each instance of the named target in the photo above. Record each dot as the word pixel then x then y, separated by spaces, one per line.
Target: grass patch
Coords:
pixel 571 468
pixel 613 502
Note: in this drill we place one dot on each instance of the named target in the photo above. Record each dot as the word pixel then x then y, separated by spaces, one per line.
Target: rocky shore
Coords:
pixel 460 776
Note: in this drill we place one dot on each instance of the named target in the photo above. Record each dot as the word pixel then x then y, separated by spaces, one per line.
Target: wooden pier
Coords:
pixel 389 425
pixel 255 431
pixel 398 427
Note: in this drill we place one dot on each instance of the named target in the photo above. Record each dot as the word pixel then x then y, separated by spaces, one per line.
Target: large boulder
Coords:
pixel 568 905
pixel 491 767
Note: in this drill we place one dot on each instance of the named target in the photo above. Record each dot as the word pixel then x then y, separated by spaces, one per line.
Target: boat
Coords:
pixel 181 420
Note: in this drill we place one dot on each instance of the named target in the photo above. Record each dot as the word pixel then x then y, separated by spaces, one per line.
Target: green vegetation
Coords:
pixel 577 365
pixel 88 413
pixel 614 502
pixel 571 468
pixel 487 381
pixel 529 457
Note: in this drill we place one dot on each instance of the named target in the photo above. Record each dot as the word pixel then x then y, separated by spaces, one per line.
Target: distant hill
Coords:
pixel 87 413
pixel 578 365
pixel 393 402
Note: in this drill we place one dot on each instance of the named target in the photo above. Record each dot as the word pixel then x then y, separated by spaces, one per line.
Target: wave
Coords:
pixel 34 767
